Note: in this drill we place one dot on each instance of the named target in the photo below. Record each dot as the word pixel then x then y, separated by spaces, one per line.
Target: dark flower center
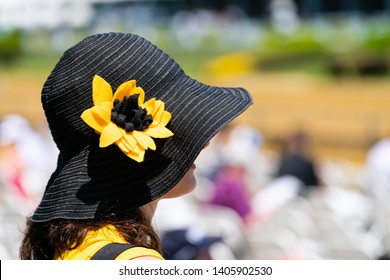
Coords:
pixel 128 115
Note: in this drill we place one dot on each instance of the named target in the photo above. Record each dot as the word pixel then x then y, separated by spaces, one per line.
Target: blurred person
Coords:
pixel 183 234
pixel 12 169
pixel 234 166
pixel 129 124
pixel 231 189
pixel 296 161
pixel 244 148
pixel 25 156
pixel 188 244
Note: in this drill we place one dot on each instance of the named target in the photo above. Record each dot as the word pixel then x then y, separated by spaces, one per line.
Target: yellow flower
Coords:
pixel 124 119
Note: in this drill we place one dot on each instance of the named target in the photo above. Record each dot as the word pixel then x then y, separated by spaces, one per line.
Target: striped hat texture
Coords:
pixel 91 181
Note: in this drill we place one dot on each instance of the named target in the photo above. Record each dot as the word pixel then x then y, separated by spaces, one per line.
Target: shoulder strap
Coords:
pixel 111 251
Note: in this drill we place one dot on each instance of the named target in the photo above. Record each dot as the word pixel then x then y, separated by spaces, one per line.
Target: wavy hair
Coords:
pixel 43 239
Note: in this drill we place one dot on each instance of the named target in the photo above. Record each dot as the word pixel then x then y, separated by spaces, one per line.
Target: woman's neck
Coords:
pixel 150 208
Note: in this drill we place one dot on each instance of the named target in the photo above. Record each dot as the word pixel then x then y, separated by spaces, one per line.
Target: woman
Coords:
pixel 128 123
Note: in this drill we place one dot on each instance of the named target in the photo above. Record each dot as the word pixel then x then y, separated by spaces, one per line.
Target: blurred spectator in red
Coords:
pixel 12 168
pixel 26 158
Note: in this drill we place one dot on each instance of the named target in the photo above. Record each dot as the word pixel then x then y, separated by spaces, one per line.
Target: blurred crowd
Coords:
pixel 250 202
pixel 27 159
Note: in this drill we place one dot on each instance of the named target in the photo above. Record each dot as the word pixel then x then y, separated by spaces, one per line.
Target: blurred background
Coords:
pixel 303 174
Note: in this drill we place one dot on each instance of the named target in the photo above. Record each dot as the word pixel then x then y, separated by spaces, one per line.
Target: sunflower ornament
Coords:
pixel 124 119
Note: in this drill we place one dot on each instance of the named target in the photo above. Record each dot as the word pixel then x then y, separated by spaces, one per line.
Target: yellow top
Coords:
pixel 97 239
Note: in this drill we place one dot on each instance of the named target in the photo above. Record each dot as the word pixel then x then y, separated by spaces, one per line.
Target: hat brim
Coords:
pixel 106 182
pixel 93 182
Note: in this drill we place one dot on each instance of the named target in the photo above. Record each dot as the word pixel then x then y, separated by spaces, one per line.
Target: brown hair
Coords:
pixel 43 239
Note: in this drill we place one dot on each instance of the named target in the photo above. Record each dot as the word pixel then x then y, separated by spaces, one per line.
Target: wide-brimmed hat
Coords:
pixel 96 174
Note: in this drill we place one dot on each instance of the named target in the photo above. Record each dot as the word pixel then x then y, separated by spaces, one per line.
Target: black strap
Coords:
pixel 111 251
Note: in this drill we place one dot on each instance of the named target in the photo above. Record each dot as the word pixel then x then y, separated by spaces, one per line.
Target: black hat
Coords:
pixel 94 180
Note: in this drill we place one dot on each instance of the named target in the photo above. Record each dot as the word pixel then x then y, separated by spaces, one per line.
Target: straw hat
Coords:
pixel 128 122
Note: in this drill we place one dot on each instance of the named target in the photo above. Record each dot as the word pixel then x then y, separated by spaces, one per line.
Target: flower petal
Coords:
pixel 93 120
pixel 137 153
pixel 165 118
pixel 130 140
pixel 124 90
pixel 159 132
pixel 149 105
pixel 144 140
pixel 158 110
pixel 137 157
pixel 101 90
pixel 121 144
pixel 110 134
pixel 141 93
pixel 103 112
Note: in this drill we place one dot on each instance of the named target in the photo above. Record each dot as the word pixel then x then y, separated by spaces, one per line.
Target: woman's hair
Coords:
pixel 43 239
